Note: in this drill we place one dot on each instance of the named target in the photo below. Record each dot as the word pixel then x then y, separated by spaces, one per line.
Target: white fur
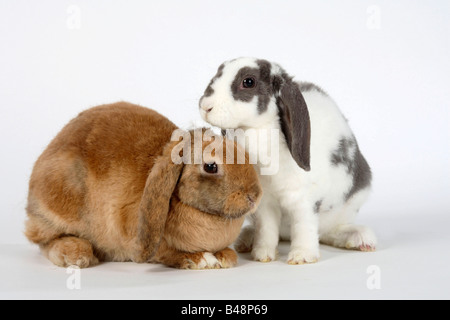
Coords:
pixel 209 261
pixel 287 207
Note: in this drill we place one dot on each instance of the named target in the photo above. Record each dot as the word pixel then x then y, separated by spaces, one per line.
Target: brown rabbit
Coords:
pixel 106 189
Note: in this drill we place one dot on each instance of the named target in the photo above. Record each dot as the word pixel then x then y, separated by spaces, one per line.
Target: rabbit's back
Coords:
pixel 121 133
pixel 90 179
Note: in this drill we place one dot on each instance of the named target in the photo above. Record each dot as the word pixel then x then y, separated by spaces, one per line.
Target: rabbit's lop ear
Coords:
pixel 294 119
pixel 155 205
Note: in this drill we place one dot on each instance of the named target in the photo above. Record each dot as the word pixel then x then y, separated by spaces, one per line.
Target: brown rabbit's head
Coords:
pixel 219 185
pixel 202 175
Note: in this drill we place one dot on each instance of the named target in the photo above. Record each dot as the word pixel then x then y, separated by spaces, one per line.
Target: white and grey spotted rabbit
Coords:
pixel 323 178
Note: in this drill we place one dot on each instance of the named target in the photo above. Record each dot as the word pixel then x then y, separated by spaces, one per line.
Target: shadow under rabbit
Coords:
pixel 327 253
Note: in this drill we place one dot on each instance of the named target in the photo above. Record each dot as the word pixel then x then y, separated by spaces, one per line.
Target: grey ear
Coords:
pixel 294 119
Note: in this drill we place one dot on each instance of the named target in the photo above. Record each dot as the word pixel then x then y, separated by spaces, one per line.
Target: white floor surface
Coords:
pixel 411 262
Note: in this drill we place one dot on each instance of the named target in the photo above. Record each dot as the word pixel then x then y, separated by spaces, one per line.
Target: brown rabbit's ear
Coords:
pixel 155 205
pixel 294 119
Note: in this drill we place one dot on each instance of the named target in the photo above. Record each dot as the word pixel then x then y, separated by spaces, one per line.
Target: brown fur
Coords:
pixel 106 189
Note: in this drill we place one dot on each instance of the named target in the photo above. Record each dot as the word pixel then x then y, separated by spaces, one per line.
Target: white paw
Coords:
pixel 264 254
pixel 209 261
pixel 360 238
pixel 303 256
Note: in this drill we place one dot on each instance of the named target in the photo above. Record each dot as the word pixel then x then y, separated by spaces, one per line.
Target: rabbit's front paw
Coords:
pixel 264 254
pixel 200 261
pixel 303 256
pixel 227 258
pixel 209 261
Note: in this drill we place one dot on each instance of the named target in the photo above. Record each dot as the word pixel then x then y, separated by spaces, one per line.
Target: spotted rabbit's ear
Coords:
pixel 155 205
pixel 294 119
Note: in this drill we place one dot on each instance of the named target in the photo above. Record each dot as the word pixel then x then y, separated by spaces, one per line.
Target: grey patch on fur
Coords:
pixel 265 76
pixel 209 90
pixel 343 155
pixel 362 175
pixel 263 88
pixel 355 164
pixel 308 86
pixel 317 206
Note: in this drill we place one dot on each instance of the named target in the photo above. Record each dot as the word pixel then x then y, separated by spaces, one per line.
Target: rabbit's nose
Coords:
pixel 254 195
pixel 252 199
pixel 207 109
pixel 205 106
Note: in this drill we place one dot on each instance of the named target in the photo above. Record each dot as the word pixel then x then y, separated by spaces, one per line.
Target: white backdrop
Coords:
pixel 386 63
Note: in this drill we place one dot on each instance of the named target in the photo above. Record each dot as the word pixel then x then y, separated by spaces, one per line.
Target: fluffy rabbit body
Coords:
pixel 106 189
pixel 322 180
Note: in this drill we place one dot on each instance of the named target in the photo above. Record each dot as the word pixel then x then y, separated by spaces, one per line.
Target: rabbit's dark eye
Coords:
pixel 210 168
pixel 248 83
